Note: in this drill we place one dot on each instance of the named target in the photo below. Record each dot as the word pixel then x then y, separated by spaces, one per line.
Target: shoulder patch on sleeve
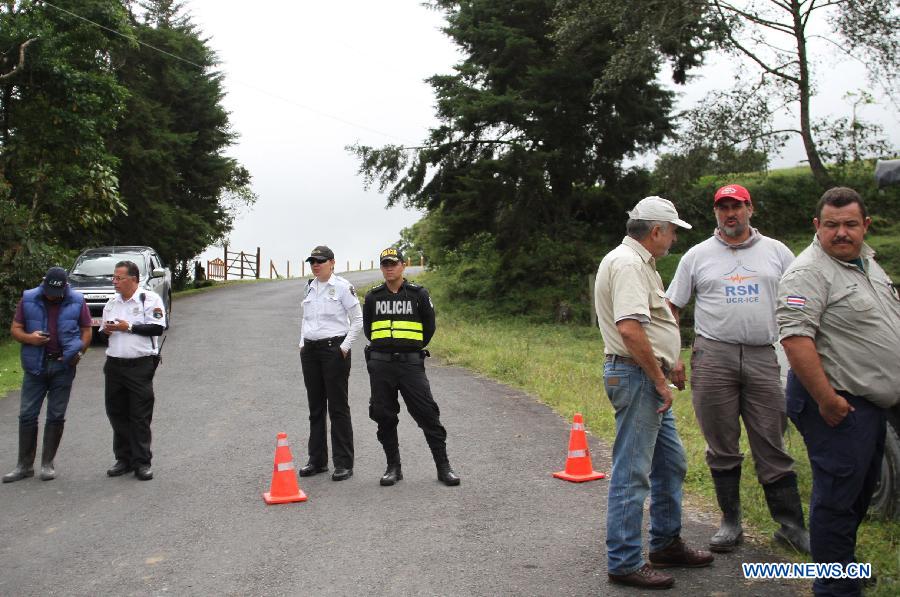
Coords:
pixel 796 302
pixel 157 313
pixel 352 290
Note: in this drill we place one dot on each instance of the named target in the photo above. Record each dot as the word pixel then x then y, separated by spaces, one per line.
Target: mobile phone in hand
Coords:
pixel 44 334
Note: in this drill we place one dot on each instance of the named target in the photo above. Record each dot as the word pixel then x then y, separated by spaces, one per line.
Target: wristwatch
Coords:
pixel 129 327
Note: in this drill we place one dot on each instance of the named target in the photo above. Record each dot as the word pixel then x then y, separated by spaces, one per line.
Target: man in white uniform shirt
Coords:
pixel 332 319
pixel 133 321
pixel 734 370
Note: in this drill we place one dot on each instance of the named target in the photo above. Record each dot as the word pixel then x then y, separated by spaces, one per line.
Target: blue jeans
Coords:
pixel 55 383
pixel 647 458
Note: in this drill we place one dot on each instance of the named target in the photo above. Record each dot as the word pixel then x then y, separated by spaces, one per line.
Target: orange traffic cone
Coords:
pixel 284 480
pixel 578 463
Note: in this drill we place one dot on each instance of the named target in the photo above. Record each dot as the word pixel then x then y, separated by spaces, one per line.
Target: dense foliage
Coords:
pixel 111 132
pixel 524 175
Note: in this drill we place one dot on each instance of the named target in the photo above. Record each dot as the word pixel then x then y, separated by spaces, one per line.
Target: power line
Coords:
pixel 248 85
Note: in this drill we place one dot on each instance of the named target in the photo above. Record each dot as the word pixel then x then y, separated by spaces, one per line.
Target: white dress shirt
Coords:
pixel 125 345
pixel 331 309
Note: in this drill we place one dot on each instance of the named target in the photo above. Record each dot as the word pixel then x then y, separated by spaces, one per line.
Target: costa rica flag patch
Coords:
pixel 797 302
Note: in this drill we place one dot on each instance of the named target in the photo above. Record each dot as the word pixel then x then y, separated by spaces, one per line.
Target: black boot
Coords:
pixel 392 474
pixel 783 499
pixel 27 448
pixel 446 475
pixel 728 494
pixel 52 436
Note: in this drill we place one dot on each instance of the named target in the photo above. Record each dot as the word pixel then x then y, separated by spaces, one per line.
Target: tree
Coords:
pixel 774 37
pixel 526 163
pixel 59 99
pixel 182 192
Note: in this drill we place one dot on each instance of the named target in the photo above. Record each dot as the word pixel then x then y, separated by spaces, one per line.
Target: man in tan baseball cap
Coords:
pixel 642 344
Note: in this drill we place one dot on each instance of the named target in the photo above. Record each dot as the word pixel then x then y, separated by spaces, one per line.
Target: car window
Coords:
pixel 103 264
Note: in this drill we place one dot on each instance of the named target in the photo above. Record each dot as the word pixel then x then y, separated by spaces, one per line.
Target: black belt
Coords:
pixel 400 357
pixel 130 362
pixel 615 358
pixel 53 356
pixel 325 341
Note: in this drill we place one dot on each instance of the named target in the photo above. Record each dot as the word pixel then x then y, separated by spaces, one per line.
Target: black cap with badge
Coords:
pixel 320 253
pixel 54 284
pixel 391 254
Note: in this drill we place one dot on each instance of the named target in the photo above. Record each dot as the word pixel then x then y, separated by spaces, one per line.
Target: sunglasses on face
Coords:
pixel 319 261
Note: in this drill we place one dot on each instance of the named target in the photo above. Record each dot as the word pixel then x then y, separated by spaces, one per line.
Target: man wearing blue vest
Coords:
pixel 53 324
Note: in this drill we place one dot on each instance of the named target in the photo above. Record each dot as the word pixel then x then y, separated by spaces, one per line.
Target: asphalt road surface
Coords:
pixel 229 382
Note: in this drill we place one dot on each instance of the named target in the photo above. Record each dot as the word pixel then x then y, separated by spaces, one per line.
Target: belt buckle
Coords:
pixel 395 356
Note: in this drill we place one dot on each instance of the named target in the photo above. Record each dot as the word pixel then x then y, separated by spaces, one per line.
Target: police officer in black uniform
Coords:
pixel 398 320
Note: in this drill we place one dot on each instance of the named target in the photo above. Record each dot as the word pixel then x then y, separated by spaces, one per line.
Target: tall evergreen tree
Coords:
pixel 180 189
pixel 525 168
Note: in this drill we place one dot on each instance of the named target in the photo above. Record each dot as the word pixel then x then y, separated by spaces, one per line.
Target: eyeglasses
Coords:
pixel 319 261
pixel 389 263
pixel 121 278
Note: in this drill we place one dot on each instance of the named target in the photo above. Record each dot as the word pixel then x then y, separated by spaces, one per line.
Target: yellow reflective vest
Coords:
pixel 398 322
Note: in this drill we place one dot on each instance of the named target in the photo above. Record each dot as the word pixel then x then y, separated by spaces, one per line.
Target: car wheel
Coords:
pixel 886 499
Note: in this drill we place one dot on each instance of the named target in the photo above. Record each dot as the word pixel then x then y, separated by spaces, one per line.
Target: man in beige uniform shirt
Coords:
pixel 642 346
pixel 839 321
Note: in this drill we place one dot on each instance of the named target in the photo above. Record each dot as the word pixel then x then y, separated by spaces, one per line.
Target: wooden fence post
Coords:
pixel 302 269
pixel 289 269
pixel 257 263
pixel 226 262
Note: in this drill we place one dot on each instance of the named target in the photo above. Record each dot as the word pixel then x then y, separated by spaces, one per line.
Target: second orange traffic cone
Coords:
pixel 578 462
pixel 284 479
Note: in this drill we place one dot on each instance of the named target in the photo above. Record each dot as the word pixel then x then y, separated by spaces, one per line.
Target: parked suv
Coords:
pixel 92 275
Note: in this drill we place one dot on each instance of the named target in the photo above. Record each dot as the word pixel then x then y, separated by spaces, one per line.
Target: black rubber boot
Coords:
pixel 783 499
pixel 52 436
pixel 393 474
pixel 27 449
pixel 446 475
pixel 728 494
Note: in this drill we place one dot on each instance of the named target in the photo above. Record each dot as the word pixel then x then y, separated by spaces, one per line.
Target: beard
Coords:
pixel 733 231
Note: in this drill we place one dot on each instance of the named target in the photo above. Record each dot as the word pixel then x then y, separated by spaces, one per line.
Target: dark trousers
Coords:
pixel 325 374
pixel 129 406
pixel 846 464
pixel 386 379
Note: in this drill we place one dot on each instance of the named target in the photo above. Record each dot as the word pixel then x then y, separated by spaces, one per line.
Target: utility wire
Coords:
pixel 248 85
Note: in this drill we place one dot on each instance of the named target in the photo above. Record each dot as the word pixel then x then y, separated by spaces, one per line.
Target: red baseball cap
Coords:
pixel 732 191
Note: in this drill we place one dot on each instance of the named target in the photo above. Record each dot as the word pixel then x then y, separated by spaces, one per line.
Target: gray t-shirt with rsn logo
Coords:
pixel 736 288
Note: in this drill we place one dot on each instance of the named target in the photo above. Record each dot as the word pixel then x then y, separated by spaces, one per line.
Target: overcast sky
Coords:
pixel 305 79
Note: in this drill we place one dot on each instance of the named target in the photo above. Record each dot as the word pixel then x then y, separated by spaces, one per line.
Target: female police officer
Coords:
pixel 332 319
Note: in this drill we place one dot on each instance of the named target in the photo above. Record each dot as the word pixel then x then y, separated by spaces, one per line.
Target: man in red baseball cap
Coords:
pixel 734 369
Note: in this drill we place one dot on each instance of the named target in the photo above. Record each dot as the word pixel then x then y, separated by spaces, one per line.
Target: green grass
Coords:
pixel 562 366
pixel 10 368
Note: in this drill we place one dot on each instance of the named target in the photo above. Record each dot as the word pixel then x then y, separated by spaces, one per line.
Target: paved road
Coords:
pixel 229 382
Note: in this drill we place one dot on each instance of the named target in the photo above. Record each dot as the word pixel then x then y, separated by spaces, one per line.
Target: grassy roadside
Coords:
pixel 10 368
pixel 561 365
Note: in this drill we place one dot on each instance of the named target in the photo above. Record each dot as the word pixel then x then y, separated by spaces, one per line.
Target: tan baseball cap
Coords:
pixel 659 210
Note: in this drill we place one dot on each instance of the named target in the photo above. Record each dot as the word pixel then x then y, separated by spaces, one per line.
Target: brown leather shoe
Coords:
pixel 644 577
pixel 679 554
